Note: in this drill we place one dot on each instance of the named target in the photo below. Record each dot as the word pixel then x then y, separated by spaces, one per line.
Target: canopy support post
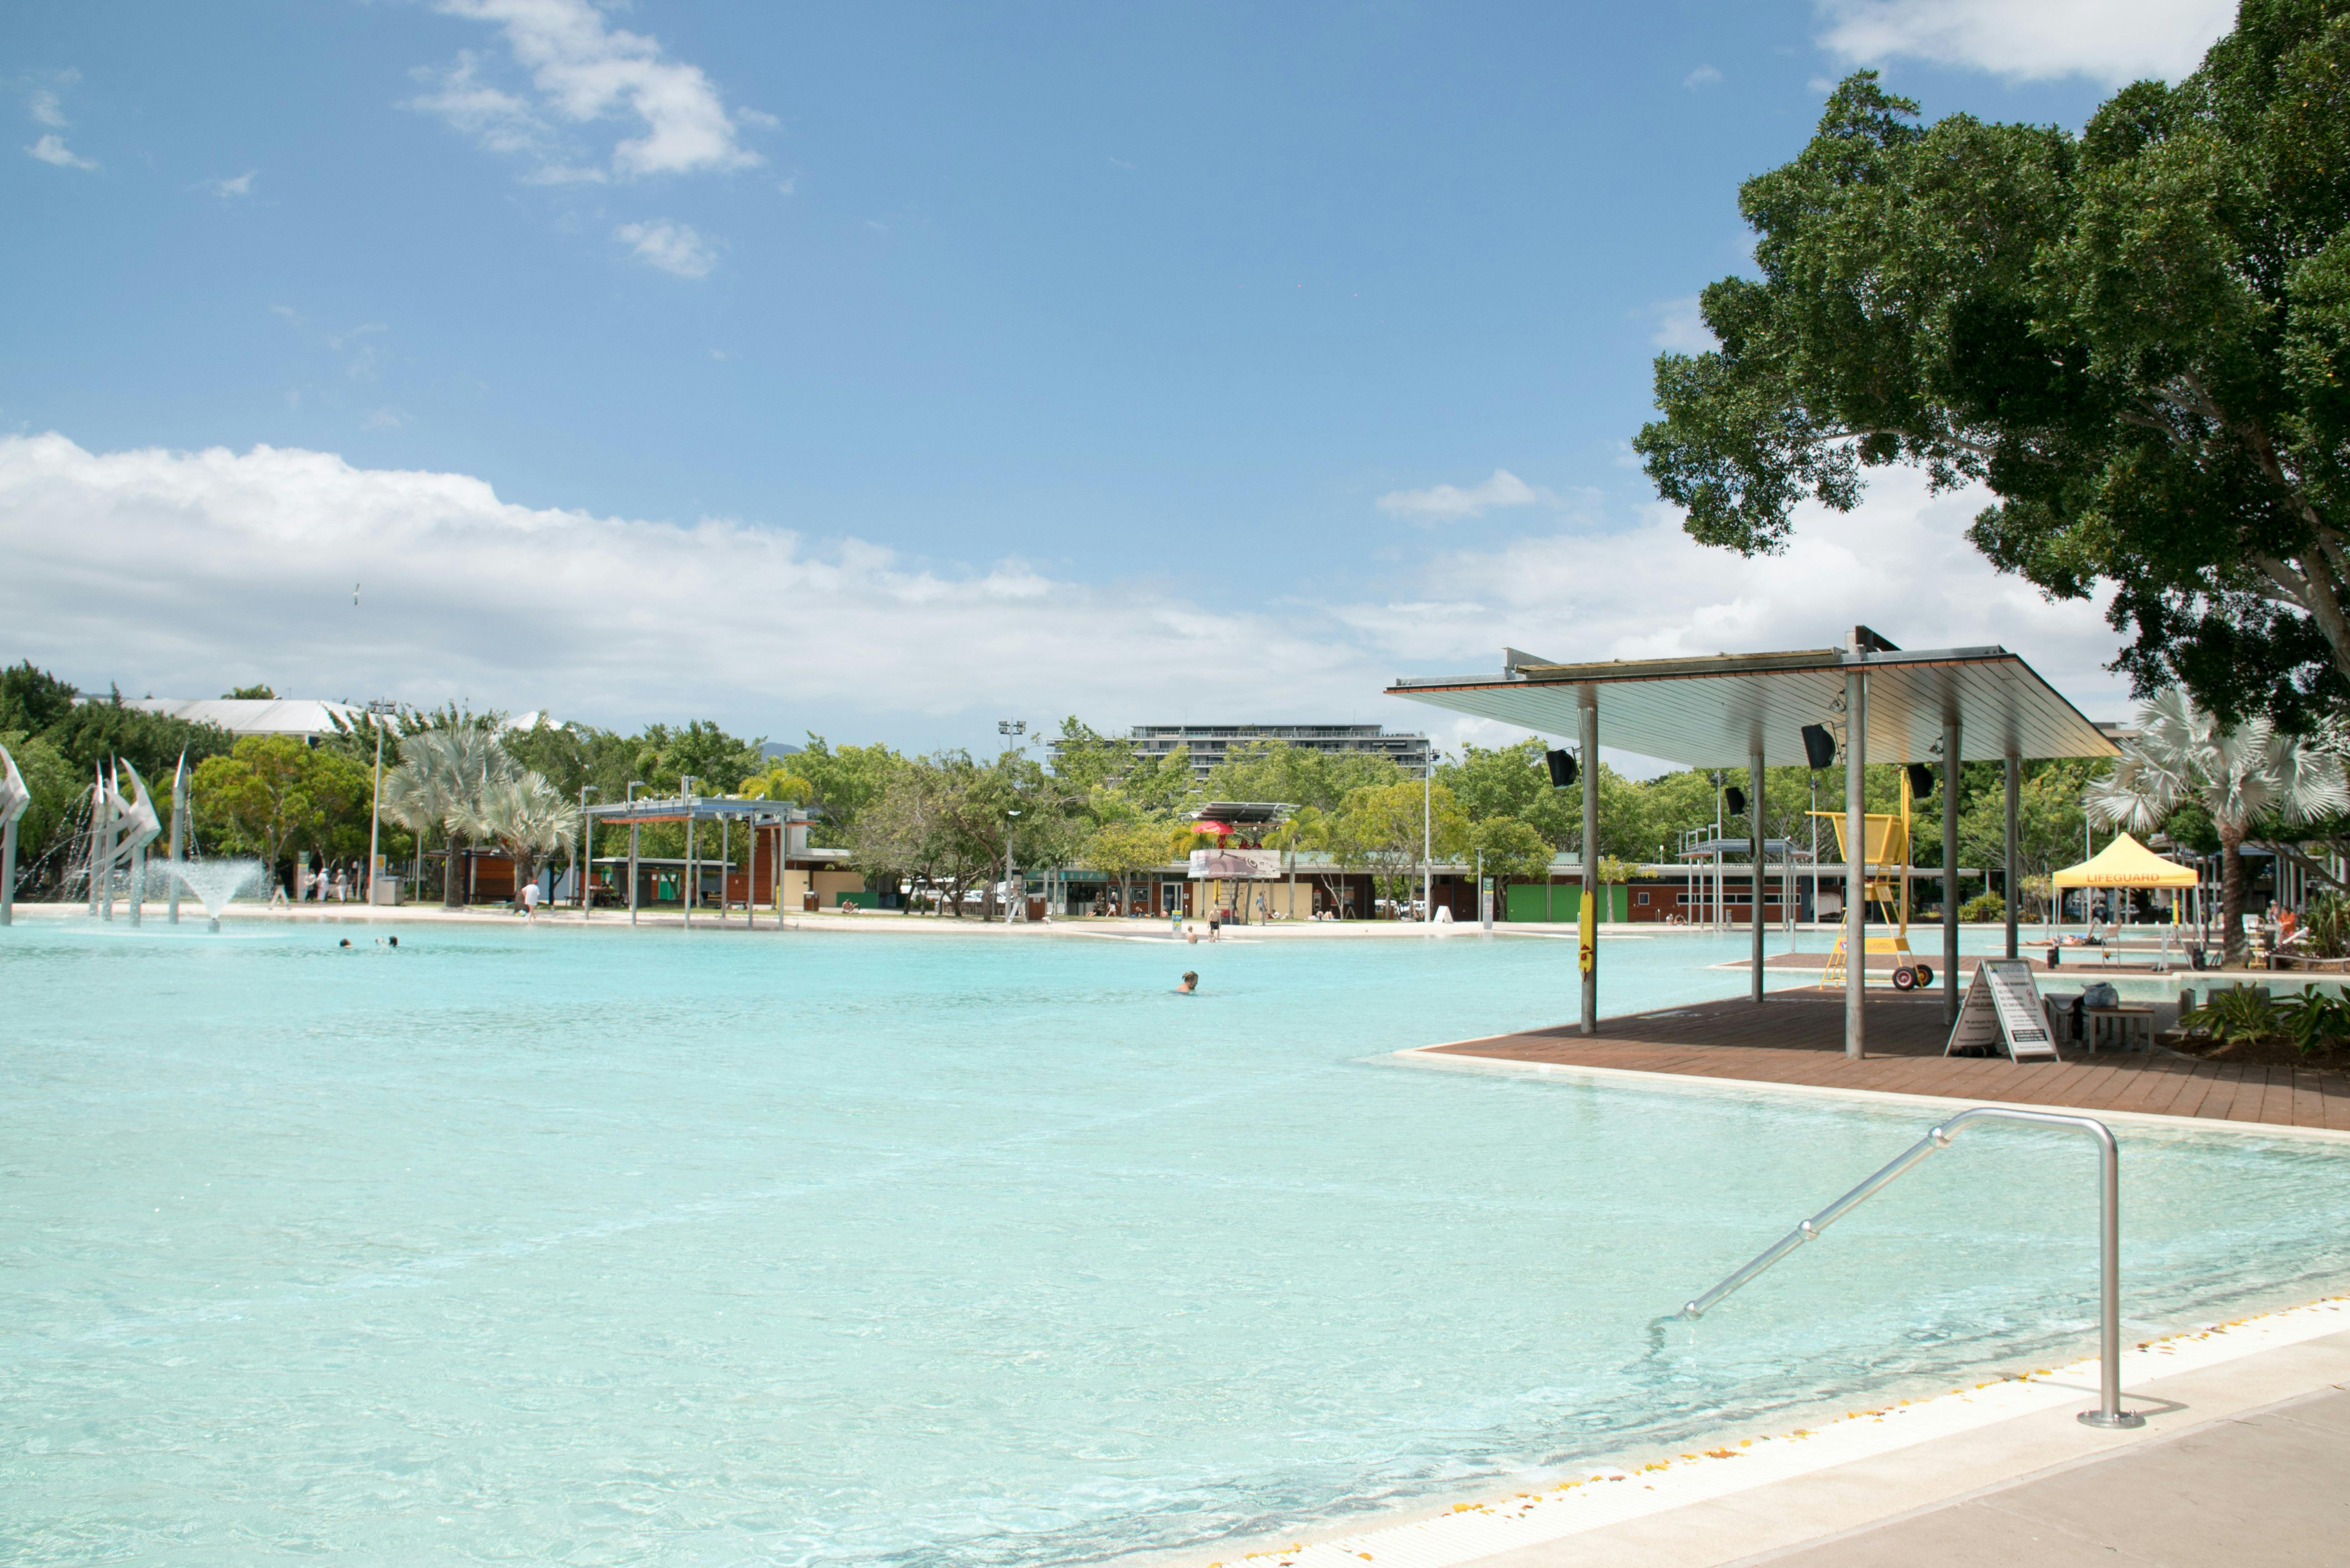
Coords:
pixel 1856 839
pixel 1950 870
pixel 2015 850
pixel 1589 740
pixel 1754 824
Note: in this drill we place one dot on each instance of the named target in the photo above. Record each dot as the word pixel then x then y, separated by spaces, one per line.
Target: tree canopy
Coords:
pixel 2137 338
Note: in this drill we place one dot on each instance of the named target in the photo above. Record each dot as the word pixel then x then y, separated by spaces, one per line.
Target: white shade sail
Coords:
pixel 1717 711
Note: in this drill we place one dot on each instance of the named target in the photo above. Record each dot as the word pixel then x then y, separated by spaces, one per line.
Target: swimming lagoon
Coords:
pixel 656 1247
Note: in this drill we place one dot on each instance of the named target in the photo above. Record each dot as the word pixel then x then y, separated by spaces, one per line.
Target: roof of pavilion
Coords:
pixel 647 809
pixel 1717 711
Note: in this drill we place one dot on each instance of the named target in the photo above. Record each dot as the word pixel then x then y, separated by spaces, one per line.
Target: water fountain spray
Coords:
pixel 179 830
pixel 213 882
pixel 101 847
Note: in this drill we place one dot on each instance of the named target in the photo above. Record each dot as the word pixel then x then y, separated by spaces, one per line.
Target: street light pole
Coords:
pixel 634 786
pixel 1014 731
pixel 376 714
pixel 1011 821
pixel 685 790
pixel 588 831
pixel 1428 841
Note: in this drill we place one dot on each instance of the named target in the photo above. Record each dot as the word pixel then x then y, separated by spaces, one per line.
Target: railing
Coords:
pixel 2109 1411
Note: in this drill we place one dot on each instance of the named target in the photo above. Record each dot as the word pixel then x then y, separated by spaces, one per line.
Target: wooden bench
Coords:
pixel 2120 1025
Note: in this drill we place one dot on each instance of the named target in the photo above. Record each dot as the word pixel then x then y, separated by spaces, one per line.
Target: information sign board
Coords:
pixel 2002 1009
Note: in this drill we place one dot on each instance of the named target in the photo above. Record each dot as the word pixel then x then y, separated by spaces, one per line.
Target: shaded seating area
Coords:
pixel 1798 1040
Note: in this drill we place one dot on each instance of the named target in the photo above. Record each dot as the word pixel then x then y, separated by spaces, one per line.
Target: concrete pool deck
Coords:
pixel 2239 1462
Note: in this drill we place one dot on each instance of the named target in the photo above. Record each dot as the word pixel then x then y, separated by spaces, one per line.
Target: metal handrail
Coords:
pixel 2109 1411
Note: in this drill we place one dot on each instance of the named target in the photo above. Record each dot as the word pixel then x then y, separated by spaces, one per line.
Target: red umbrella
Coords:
pixel 1220 829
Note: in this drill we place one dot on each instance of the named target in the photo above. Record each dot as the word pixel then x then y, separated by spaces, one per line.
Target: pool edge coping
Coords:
pixel 1450 1056
pixel 1455 1534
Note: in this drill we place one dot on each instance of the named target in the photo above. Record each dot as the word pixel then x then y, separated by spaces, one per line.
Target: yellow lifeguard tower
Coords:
pixel 1887 867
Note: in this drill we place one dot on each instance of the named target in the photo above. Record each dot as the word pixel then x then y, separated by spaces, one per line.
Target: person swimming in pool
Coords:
pixel 1191 982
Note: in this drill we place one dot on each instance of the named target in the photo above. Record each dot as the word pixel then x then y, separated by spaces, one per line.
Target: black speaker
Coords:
pixel 1921 781
pixel 1736 800
pixel 1819 746
pixel 1562 769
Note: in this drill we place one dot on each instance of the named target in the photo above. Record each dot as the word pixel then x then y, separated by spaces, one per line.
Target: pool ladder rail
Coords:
pixel 2109 1411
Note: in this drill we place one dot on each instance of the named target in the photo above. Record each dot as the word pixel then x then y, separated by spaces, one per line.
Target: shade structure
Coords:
pixel 1718 711
pixel 2126 863
pixel 1869 699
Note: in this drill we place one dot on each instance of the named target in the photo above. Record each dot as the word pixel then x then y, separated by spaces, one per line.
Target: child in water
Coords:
pixel 1191 982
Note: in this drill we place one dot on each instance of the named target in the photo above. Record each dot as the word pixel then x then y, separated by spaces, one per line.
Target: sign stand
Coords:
pixel 2002 1008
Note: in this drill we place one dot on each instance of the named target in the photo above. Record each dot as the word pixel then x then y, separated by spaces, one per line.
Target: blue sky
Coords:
pixel 936 363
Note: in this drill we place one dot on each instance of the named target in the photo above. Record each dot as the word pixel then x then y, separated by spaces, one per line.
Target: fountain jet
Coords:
pixel 213 882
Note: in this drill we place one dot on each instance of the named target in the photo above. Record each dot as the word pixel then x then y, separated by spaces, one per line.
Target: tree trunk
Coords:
pixel 452 891
pixel 2232 897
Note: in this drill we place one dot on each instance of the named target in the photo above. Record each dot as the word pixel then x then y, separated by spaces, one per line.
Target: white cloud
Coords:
pixel 673 247
pixel 365 357
pixel 1446 503
pixel 2108 41
pixel 1704 76
pixel 1900 563
pixel 385 419
pixel 240 186
pixel 52 149
pixel 44 106
pixel 213 560
pixel 580 72
pixel 1681 328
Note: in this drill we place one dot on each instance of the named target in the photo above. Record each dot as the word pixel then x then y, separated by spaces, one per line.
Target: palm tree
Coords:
pixel 1304 829
pixel 438 784
pixel 524 815
pixel 2240 776
pixel 779 782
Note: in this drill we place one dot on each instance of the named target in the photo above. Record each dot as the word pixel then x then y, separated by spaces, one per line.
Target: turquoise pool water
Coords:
pixel 653 1248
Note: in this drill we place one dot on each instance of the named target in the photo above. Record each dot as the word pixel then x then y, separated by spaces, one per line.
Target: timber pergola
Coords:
pixel 1941 706
pixel 757 816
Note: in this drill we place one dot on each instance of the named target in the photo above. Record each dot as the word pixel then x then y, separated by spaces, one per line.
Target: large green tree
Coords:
pixel 2137 338
pixel 272 795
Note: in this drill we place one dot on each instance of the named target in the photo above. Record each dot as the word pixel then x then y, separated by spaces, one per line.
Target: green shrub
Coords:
pixel 1983 906
pixel 2315 1021
pixel 2241 1015
pixel 2329 926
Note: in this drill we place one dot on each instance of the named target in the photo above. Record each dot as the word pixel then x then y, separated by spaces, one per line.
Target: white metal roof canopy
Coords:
pixel 1716 712
pixel 1752 709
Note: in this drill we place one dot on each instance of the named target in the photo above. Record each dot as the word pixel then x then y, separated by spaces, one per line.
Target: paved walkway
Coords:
pixel 2269 1488
pixel 1797 1037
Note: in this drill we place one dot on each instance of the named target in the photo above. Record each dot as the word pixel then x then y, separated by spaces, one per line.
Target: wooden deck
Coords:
pixel 1797 1037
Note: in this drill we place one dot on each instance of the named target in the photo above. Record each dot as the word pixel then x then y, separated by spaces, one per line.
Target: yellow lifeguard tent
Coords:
pixel 2126 863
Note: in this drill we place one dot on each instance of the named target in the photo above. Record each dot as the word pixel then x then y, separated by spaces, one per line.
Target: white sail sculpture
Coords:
pixel 14 798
